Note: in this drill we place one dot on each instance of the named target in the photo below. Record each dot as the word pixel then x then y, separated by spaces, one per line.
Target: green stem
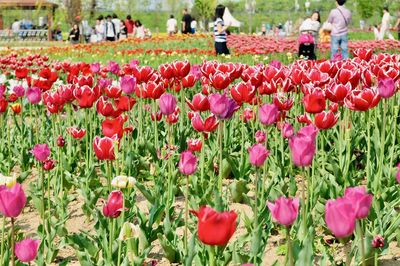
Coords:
pixel 109 175
pixel 368 114
pixel 379 177
pixel 346 249
pixel 361 235
pixel 2 239
pixel 220 129
pixel 49 212
pixel 202 159
pixel 211 254
pixel 290 260
pixel 186 217
pixel 122 222
pixel 12 243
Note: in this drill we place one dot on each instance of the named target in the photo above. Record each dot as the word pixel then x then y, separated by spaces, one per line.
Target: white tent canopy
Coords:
pixel 228 20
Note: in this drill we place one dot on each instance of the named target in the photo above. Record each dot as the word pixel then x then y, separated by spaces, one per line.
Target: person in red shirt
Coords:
pixel 129 24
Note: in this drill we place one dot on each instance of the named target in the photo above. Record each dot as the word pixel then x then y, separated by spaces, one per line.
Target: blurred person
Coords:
pixel 99 29
pixel 397 25
pixel 116 22
pixel 193 26
pixel 57 33
pixel 311 26
pixel 110 31
pixel 93 36
pixel 324 35
pixel 172 25
pixel 377 34
pixel 130 25
pixel 186 21
pixel 15 27
pixel 340 18
pixel 220 31
pixel 385 25
pixel 74 34
pixel 123 33
pixel 139 30
pixel 263 30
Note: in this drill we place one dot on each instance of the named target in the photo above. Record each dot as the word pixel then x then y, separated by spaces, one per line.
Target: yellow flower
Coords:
pixel 8 181
pixel 123 181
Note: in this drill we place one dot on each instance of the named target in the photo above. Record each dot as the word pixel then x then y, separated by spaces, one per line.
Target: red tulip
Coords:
pixel 363 54
pixel 12 200
pixel 362 100
pixel 49 164
pixel 248 115
pixel 243 92
pixel 199 103
pixel 282 102
pixel 194 145
pixel 27 249
pixel 337 92
pixel 314 102
pixel 285 210
pixel 340 217
pixel 106 108
pixel 60 141
pixel 153 90
pixel 113 91
pixel 360 200
pixel 220 81
pixel 124 103
pixel 76 133
pixel 104 148
pixel 166 71
pixel 16 108
pixel 326 120
pixel 113 127
pixel 21 72
pixel 85 96
pixel 215 229
pixel 3 105
pixel 181 68
pixel 114 205
pixel 189 81
pixel 378 242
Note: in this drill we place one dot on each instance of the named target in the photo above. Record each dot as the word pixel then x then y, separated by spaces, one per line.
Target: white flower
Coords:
pixel 128 231
pixel 8 181
pixel 123 181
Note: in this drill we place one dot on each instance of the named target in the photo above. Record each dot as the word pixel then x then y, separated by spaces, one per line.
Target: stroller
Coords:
pixel 307 46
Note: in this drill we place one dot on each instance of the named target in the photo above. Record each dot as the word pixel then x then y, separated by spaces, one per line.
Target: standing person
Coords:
pixel 220 31
pixel 397 25
pixel 340 18
pixel 74 34
pixel 385 25
pixel 15 27
pixel 116 22
pixel 186 20
pixel 172 25
pixel 123 33
pixel 311 26
pixel 139 30
pixel 193 26
pixel 129 24
pixel 99 29
pixel 110 32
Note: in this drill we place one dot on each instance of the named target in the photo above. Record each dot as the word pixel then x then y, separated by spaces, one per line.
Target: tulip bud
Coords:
pixel 378 242
pixel 128 231
pixel 17 108
pixel 114 204
pixel 123 182
pixel 260 136
pixel 268 114
pixel 386 87
pixel 167 104
pixel 284 210
pixel 12 200
pixel 49 164
pixel 398 173
pixel 41 152
pixel 187 163
pixel 258 154
pixel 60 141
pixel 27 249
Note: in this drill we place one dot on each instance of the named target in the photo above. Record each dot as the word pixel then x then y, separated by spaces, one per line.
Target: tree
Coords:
pixel 366 8
pixel 74 9
pixel 205 10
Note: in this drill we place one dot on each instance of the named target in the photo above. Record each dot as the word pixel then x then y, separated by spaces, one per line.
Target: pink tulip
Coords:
pixel 114 204
pixel 309 130
pixel 27 249
pixel 285 210
pixel 187 163
pixel 360 200
pixel 41 152
pixel 260 136
pixel 128 84
pixel 386 87
pixel 12 200
pixel 398 173
pixel 287 131
pixel 34 95
pixel 302 148
pixel 258 154
pixel 222 106
pixel 19 90
pixel 268 114
pixel 340 217
pixel 167 104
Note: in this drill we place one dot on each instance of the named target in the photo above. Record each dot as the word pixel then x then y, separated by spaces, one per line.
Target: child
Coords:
pixel 220 31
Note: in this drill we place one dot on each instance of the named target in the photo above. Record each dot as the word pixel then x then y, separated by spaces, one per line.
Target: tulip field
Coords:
pixel 157 152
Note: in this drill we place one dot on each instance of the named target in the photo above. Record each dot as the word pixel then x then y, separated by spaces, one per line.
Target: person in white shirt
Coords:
pixel 99 29
pixel 139 30
pixel 111 33
pixel 385 25
pixel 172 25
pixel 193 26
pixel 116 22
pixel 15 26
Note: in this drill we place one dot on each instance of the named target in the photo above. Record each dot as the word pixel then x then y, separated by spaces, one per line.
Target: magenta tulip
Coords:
pixel 398 173
pixel 167 104
pixel 340 217
pixel 360 200
pixel 12 200
pixel 268 114
pixel 222 106
pixel 258 154
pixel 309 130
pixel 27 249
pixel 41 152
pixel 386 87
pixel 260 136
pixel 128 84
pixel 285 210
pixel 187 163
pixel 287 131
pixel 302 149
pixel 34 95
pixel 114 204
